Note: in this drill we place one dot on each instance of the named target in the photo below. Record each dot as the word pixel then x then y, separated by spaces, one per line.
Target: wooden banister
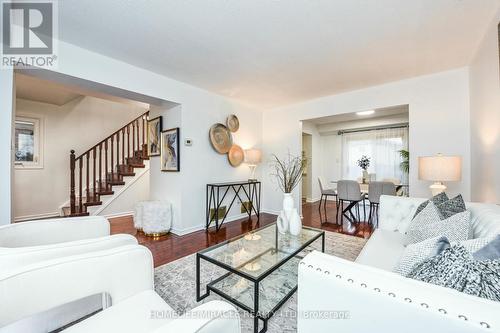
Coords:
pixel 86 172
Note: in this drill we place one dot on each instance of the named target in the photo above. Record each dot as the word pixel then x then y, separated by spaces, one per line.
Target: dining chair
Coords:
pixel 325 193
pixel 397 182
pixel 375 190
pixel 349 191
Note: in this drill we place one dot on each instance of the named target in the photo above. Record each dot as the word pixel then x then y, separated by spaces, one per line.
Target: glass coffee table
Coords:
pixel 261 269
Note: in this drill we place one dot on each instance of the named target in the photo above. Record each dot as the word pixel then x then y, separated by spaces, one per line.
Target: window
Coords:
pixel 28 143
pixel 382 146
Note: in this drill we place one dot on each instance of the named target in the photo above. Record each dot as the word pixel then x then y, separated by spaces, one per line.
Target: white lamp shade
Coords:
pixel 253 156
pixel 440 168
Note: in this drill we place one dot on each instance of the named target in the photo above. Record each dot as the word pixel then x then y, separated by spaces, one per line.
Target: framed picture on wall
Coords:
pixel 170 150
pixel 154 136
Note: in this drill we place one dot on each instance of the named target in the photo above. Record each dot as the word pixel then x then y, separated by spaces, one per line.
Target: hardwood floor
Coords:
pixel 171 247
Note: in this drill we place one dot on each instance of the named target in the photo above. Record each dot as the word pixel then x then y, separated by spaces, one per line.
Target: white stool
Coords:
pixel 154 218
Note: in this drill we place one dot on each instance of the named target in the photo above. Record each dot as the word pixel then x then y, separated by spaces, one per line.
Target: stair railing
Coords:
pixel 93 172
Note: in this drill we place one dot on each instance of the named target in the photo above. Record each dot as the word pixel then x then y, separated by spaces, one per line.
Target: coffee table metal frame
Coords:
pixel 256 280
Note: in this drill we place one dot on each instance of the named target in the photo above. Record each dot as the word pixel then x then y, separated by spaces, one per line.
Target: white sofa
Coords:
pixel 365 296
pixel 125 274
pixel 27 243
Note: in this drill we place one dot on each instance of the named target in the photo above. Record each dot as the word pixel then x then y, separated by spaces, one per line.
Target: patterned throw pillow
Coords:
pixel 416 253
pixel 490 251
pixel 451 207
pixel 428 224
pixel 473 245
pixel 437 199
pixel 456 268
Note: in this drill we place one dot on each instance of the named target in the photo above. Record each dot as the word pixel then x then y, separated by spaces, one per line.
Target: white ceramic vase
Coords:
pixel 289 219
pixel 282 223
pixel 294 223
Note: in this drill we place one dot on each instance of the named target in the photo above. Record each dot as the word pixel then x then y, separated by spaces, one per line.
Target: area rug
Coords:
pixel 176 283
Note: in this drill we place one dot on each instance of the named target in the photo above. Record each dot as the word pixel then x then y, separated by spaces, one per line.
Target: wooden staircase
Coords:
pixel 94 173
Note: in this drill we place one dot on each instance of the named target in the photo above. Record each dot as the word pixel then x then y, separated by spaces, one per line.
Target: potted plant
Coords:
pixel 405 163
pixel 288 173
pixel 364 163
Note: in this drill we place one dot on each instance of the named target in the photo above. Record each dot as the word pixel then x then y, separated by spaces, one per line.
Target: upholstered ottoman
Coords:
pixel 154 218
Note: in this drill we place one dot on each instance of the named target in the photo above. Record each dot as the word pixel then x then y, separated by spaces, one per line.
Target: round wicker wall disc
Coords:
pixel 235 155
pixel 233 123
pixel 221 138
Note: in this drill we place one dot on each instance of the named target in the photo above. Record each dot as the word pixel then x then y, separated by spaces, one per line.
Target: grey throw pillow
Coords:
pixel 474 244
pixel 456 268
pixel 416 253
pixel 451 207
pixel 437 199
pixel 428 224
pixel 490 251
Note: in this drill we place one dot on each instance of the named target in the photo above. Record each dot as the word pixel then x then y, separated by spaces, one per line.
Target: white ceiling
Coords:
pixel 343 117
pixel 38 90
pixel 271 53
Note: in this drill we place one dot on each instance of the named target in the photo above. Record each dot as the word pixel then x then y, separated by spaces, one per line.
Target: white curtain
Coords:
pixel 381 146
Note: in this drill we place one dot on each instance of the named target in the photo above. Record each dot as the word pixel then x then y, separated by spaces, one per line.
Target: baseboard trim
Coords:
pixel 36 216
pixel 111 216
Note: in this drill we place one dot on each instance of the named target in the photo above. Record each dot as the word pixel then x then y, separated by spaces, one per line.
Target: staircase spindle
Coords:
pixel 106 164
pixel 112 159
pixel 133 139
pixel 117 151
pixel 128 141
pixel 100 167
pixel 80 186
pixel 87 169
pixel 72 182
pixel 123 146
pixel 137 125
pixel 94 182
pixel 143 132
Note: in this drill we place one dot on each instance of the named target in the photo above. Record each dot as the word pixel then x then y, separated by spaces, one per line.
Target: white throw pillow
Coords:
pixel 428 224
pixel 416 253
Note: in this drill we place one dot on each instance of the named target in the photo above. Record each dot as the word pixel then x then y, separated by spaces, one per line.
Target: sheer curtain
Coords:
pixel 381 146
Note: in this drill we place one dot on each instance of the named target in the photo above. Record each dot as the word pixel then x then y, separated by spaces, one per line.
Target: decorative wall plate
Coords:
pixel 233 123
pixel 235 155
pixel 221 138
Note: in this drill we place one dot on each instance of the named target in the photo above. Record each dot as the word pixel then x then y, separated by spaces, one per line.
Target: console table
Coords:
pixel 217 192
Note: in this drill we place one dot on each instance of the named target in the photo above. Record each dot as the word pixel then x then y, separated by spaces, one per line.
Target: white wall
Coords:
pixel 485 117
pixel 199 109
pixel 438 116
pixel 306 178
pixel 7 106
pixel 315 162
pixel 78 125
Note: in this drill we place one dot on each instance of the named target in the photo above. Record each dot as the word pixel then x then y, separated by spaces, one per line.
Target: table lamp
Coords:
pixel 439 169
pixel 252 158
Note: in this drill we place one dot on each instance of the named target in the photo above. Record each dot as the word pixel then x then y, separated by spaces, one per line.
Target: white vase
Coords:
pixel 288 202
pixel 294 223
pixel 366 177
pixel 282 223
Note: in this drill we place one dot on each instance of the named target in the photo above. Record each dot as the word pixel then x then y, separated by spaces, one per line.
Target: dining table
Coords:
pixel 364 187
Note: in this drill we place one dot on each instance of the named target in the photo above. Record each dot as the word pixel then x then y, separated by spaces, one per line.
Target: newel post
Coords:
pixel 72 182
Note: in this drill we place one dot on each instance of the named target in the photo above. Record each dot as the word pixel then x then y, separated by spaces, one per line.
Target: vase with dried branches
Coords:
pixel 288 173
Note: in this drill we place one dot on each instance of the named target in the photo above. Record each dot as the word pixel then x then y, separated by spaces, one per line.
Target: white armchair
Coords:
pixel 52 231
pixel 27 243
pixel 125 275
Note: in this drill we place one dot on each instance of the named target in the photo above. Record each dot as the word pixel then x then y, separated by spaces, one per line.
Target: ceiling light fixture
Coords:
pixel 365 113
